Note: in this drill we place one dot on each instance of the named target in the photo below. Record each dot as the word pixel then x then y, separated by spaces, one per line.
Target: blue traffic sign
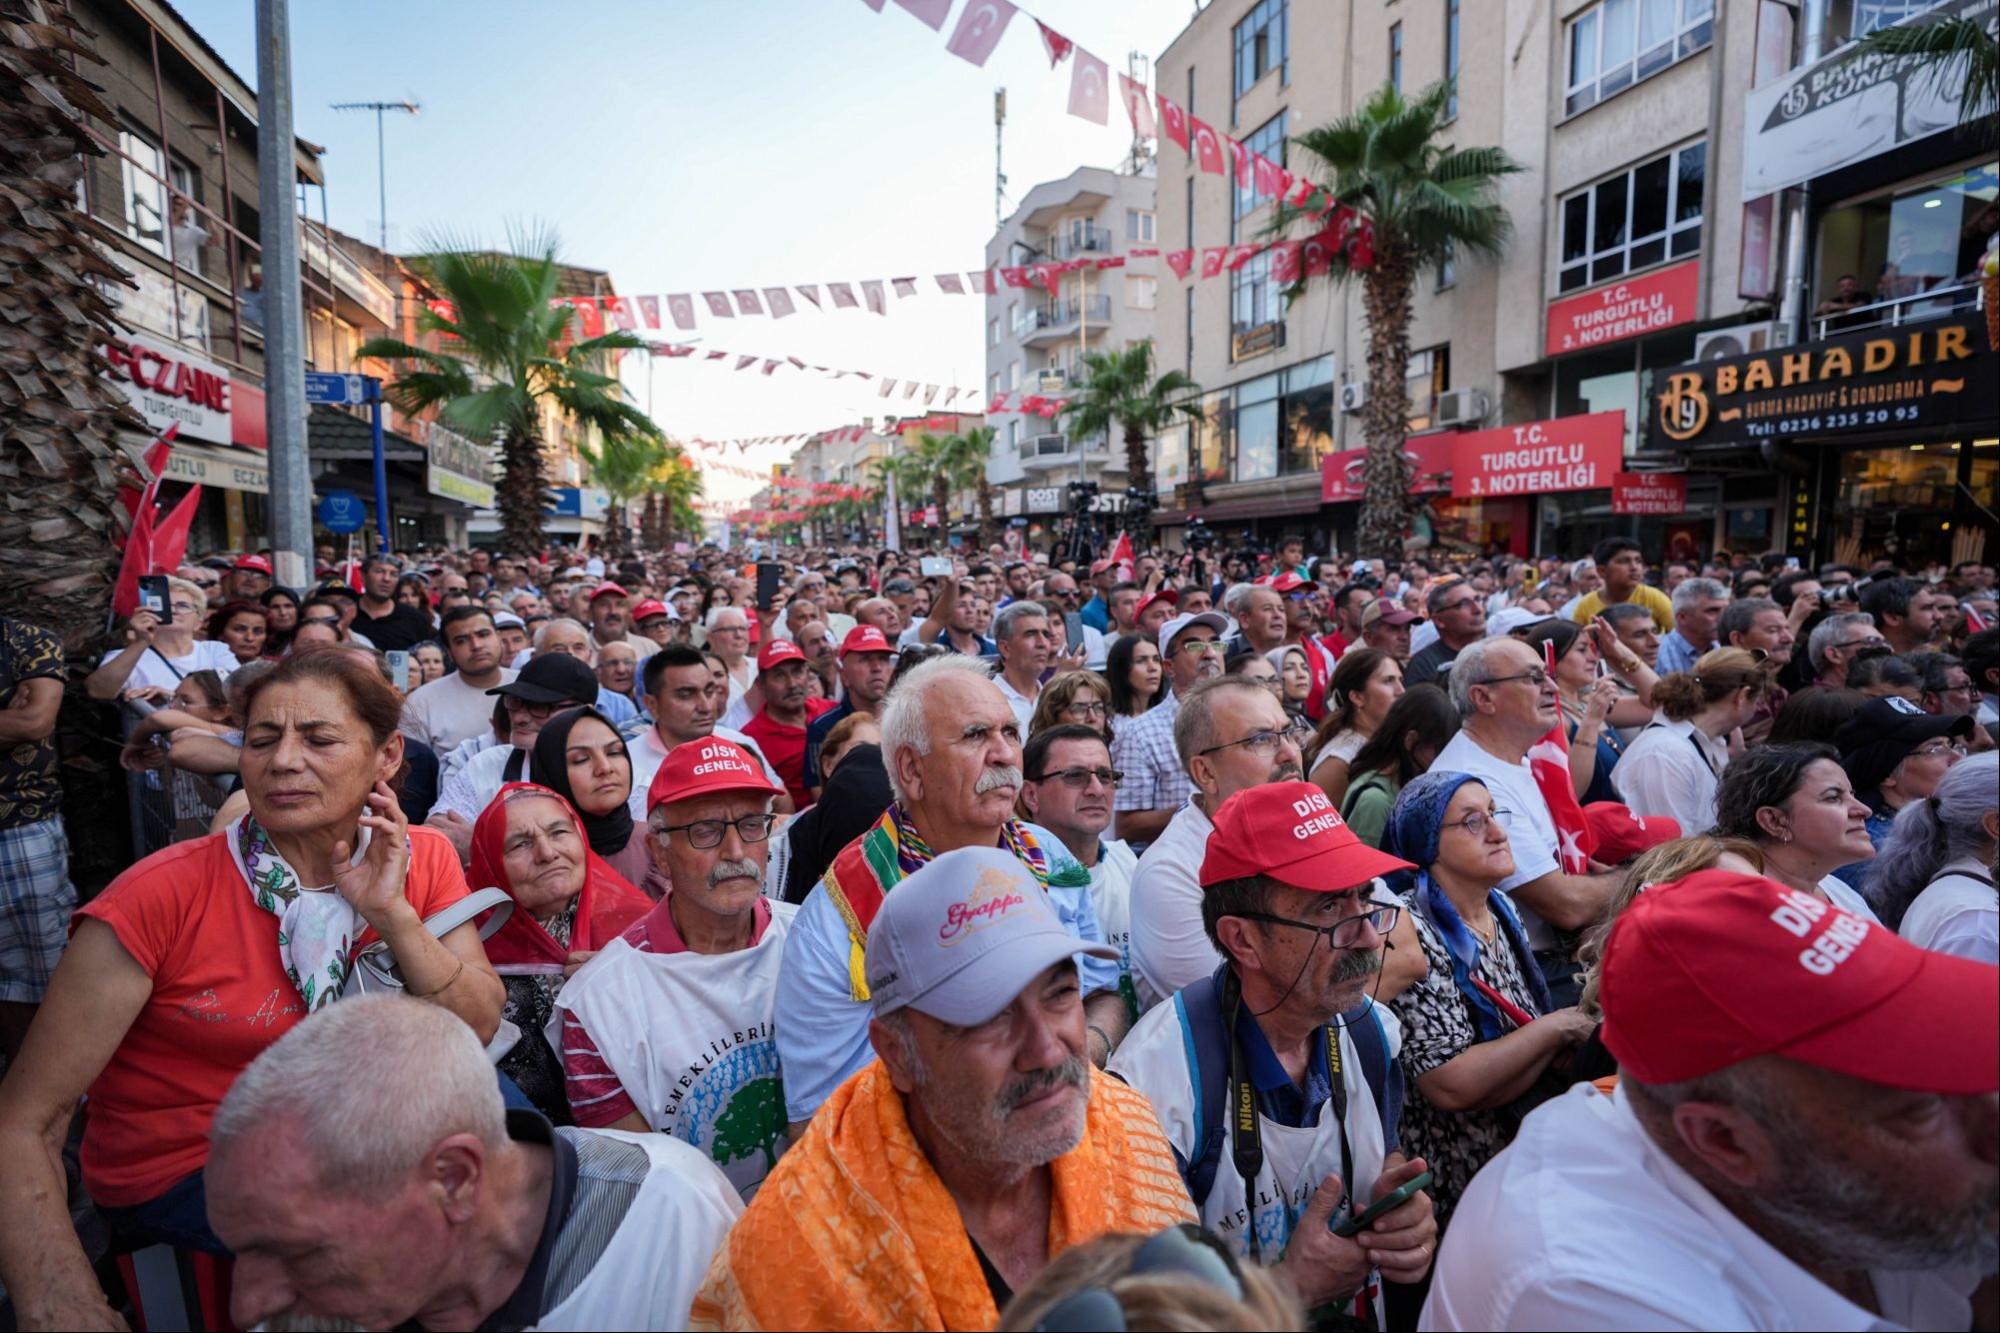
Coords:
pixel 342 512
pixel 325 387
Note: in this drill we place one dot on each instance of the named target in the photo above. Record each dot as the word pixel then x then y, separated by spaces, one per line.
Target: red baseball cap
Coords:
pixel 775 651
pixel 252 562
pixel 1167 595
pixel 704 768
pixel 607 590
pixel 1098 567
pixel 1622 834
pixel 651 607
pixel 1291 832
pixel 864 639
pixel 1718 967
pixel 1289 581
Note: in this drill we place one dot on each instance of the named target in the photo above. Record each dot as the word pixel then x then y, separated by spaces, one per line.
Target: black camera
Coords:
pixel 1198 538
pixel 1835 593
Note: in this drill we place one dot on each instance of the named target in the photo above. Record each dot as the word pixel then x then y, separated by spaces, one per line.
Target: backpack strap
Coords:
pixel 516 763
pixel 1385 1076
pixel 1207 1045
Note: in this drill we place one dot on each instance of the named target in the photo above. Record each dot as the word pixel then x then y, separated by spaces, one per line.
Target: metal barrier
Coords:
pixel 167 805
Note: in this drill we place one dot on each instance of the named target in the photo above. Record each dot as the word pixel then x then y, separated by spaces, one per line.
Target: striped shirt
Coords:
pixel 1143 750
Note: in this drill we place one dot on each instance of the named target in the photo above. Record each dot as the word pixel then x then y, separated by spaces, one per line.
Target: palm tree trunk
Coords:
pixel 1136 471
pixel 523 494
pixel 941 497
pixel 615 543
pixel 989 532
pixel 1385 421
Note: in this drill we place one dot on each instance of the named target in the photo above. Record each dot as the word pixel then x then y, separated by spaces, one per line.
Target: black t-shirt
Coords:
pixel 402 629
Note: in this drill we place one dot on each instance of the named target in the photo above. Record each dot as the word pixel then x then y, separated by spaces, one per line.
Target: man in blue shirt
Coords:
pixel 1698 606
pixel 866 663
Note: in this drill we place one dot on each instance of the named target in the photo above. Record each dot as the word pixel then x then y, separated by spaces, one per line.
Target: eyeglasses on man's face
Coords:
pixel 1535 676
pixel 1264 744
pixel 1197 647
pixel 1933 749
pixel 1076 779
pixel 703 834
pixel 1342 934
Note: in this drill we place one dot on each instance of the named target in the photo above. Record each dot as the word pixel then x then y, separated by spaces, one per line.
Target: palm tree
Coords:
pixel 1951 53
pixel 502 359
pixel 1119 392
pixel 978 450
pixel 672 490
pixel 624 466
pixel 904 474
pixel 1426 201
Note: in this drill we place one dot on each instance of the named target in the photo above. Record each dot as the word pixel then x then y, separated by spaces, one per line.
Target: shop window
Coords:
pixel 1305 416
pixel 1613 45
pixel 1268 139
pixel 1256 301
pixel 1644 217
pixel 1257 428
pixel 1899 503
pixel 1912 250
pixel 1451 57
pixel 1428 377
pixel 1262 44
pixel 1210 436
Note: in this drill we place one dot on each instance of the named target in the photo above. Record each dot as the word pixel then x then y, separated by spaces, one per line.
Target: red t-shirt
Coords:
pixel 785 747
pixel 220 996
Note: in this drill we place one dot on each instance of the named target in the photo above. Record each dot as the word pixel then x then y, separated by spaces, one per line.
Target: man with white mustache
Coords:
pixel 670 1026
pixel 952 748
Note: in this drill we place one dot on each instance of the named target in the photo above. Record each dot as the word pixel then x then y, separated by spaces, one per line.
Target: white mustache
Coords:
pixel 724 871
pixel 993 778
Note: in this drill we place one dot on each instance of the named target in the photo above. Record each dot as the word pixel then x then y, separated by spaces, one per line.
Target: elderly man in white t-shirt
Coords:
pixel 1507 702
pixel 1803 1135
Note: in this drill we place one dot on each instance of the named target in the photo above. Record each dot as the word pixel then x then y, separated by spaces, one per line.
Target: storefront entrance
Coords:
pixel 1912 504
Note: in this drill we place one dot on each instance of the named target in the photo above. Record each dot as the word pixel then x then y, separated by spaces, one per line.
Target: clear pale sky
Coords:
pixel 691 145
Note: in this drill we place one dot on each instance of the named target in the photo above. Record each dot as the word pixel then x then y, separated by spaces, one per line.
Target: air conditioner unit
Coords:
pixel 1737 340
pixel 1353 397
pixel 1046 446
pixel 1462 407
pixel 1051 381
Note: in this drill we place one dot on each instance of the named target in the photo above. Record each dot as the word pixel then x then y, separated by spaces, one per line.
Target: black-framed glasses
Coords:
pixel 1264 744
pixel 1458 605
pixel 1342 934
pixel 331 622
pixel 1538 677
pixel 1476 822
pixel 1076 779
pixel 1082 709
pixel 703 834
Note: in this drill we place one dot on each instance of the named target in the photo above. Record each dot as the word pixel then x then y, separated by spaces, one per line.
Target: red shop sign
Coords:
pixel 1649 493
pixel 1340 475
pixel 1567 454
pixel 1628 309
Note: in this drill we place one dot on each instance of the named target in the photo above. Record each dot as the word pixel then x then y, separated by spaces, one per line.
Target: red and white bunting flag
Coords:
pixel 875 5
pixel 1180 261
pixel 621 312
pixel 681 306
pixel 904 286
pixel 1285 261
pixel 1361 250
pixel 747 302
pixel 1050 276
pixel 1239 161
pixel 1121 556
pixel 930 394
pixel 1090 89
pixel 843 295
pixel 745 362
pixel 680 349
pixel 1285 182
pixel 1138 107
pixel 649 309
pixel 1057 45
pixel 716 356
pixel 718 304
pixel 951 284
pixel 1212 260
pixel 932 12
pixel 883 389
pixel 910 389
pixel 1316 258
pixel 1265 173
pixel 871 291
pixel 1301 192
pixel 982 282
pixel 1207 146
pixel 811 293
pixel 1113 261
pixel 795 361
pixel 770 366
pixel 979 29
pixel 1173 121
pixel 1143 252
pixel 778 301
pixel 589 318
pixel 1239 255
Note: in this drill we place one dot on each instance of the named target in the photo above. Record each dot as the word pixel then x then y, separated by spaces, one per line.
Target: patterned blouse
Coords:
pixel 1437 1027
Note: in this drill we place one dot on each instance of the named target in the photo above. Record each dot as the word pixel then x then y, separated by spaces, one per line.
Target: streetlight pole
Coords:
pixel 284 315
pixel 381 154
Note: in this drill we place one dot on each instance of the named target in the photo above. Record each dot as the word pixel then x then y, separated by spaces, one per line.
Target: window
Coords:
pixel 1448 265
pixel 1190 96
pixel 1138 224
pixel 1428 376
pixel 992 386
pixel 1210 438
pixel 146 207
pixel 1262 45
pixel 1848 19
pixel 1255 297
pixel 1908 243
pixel 1141 292
pixel 1268 139
pixel 1257 428
pixel 1190 212
pixel 1451 57
pixel 1014 435
pixel 1013 376
pixel 1396 56
pixel 1644 217
pixel 1615 44
pixel 993 332
pixel 1305 416
pixel 1188 344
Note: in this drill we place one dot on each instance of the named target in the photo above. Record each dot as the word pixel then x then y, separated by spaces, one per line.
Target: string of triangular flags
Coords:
pixel 885 386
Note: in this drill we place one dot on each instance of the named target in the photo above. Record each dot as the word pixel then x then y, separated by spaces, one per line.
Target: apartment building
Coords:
pixel 1634 254
pixel 1035 339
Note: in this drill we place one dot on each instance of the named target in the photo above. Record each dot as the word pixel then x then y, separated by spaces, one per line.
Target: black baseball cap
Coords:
pixel 336 588
pixel 552 678
pixel 1883 732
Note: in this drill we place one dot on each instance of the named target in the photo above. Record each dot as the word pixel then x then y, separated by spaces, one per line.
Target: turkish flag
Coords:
pixel 885 388
pixel 1266 173
pixel 932 12
pixel 930 393
pixel 877 300
pixel 811 293
pixel 1138 107
pixel 796 362
pixel 718 304
pixel 982 281
pixel 770 366
pixel 1315 258
pixel 1285 258
pixel 1050 276
pixel 745 362
pixel 1207 148
pixel 1285 181
pixel 843 295
pixel 1212 260
pixel 1143 252
pixel 778 301
pixel 910 389
pixel 1174 121
pixel 135 563
pixel 1239 255
pixel 1239 161
pixel 1057 45
pixel 681 306
pixel 1361 250
pixel 1013 276
pixel 1180 261
pixel 904 287
pixel 152 467
pixel 170 535
pixel 1115 261
pixel 1090 89
pixel 747 302
pixel 588 316
pixel 1121 556
pixel 716 356
pixel 979 29
pixel 649 308
pixel 951 284
pixel 620 310
pixel 1302 195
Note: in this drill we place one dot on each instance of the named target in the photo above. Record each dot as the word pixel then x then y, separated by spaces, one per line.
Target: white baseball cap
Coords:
pixel 1215 620
pixel 965 935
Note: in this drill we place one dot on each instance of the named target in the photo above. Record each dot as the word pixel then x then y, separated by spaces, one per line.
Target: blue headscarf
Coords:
pixel 1414 830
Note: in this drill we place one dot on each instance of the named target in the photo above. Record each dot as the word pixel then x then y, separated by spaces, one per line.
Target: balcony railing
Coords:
pixel 1058 314
pixel 1902 310
pixel 1094 241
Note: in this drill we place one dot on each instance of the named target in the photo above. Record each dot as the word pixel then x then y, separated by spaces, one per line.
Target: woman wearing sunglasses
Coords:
pixel 1479 1029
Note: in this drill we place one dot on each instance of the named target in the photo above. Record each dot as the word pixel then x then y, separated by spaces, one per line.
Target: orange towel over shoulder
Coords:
pixel 854 1230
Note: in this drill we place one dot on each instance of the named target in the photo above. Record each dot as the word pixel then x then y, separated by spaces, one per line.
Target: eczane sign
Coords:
pixel 167 383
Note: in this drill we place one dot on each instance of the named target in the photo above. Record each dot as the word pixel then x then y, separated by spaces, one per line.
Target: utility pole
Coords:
pixel 999 176
pixel 284 316
pixel 1137 66
pixel 381 156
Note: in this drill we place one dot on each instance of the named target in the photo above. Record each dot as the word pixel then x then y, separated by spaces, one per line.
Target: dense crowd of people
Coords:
pixel 814 938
